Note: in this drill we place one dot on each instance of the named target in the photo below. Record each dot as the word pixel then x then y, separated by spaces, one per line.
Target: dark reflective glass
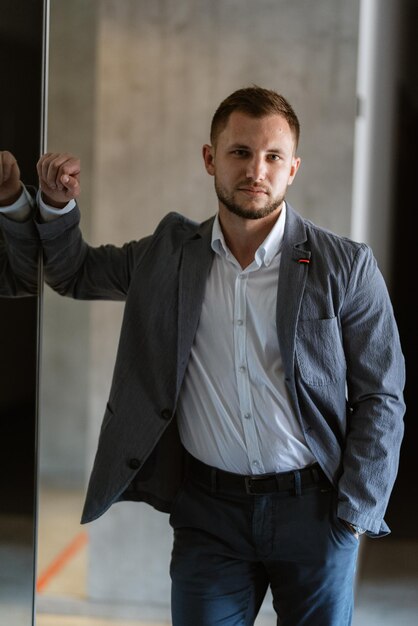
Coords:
pixel 22 50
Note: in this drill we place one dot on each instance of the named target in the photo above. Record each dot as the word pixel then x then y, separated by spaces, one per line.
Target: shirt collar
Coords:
pixel 265 252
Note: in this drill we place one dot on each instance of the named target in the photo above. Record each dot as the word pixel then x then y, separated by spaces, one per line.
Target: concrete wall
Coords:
pixel 65 347
pixel 161 69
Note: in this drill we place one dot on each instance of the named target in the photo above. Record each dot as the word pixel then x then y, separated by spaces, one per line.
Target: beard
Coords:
pixel 228 200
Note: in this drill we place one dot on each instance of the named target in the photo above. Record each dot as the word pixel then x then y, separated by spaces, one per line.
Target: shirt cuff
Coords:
pixel 50 213
pixel 20 210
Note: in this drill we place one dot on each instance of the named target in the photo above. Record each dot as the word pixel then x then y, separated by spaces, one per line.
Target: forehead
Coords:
pixel 258 132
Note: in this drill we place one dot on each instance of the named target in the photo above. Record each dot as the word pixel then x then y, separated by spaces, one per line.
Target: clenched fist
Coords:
pixel 10 186
pixel 59 178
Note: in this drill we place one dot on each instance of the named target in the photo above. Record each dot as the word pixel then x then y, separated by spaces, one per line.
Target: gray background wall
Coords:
pixel 137 108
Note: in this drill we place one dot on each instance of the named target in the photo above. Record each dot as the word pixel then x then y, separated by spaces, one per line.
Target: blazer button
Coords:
pixel 166 414
pixel 134 464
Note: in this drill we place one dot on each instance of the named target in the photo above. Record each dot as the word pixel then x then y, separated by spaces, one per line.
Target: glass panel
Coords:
pixel 22 50
pixel 134 100
pixel 64 398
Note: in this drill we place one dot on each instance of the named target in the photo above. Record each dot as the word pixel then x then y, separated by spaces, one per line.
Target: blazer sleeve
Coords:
pixel 74 268
pixel 375 384
pixel 19 258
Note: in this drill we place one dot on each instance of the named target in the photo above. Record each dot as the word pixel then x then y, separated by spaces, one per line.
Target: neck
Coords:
pixel 244 236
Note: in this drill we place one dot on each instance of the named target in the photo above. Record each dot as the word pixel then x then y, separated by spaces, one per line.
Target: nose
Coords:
pixel 256 169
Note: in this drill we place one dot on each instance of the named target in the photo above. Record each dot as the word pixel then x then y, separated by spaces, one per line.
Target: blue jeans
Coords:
pixel 230 546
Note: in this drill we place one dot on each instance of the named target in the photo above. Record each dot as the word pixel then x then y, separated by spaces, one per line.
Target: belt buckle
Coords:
pixel 249 479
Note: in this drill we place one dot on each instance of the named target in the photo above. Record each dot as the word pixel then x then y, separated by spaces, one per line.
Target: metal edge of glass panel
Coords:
pixel 43 143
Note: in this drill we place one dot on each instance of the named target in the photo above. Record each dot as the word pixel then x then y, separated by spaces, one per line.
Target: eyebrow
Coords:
pixel 241 146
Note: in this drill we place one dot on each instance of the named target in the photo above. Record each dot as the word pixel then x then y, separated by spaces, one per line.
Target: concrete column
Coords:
pixel 377 76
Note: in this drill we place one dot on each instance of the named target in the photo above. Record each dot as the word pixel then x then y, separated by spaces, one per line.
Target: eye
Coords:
pixel 274 157
pixel 240 153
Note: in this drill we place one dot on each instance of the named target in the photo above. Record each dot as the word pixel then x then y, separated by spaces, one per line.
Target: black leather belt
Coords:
pixel 258 484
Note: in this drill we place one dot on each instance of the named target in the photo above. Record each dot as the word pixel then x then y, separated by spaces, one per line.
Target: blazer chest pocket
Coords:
pixel 319 351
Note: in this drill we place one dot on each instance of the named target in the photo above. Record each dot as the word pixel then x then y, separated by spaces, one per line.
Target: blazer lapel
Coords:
pixel 294 267
pixel 196 261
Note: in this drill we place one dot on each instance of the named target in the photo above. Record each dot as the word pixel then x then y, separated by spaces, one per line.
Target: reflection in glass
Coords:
pixel 19 244
pixel 17 460
pixel 21 105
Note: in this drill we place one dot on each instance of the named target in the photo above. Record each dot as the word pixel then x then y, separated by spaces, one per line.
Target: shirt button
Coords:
pixel 247 416
pixel 255 464
pixel 240 322
pixel 242 369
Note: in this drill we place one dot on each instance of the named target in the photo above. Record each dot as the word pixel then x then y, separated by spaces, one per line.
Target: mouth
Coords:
pixel 253 191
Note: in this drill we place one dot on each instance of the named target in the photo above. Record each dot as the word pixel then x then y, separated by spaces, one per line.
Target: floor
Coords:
pixel 387 593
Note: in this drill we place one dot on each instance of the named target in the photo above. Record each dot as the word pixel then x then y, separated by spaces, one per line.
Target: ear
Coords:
pixel 293 169
pixel 208 153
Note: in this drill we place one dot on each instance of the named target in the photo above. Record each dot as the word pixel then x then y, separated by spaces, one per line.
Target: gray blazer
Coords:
pixel 338 339
pixel 19 257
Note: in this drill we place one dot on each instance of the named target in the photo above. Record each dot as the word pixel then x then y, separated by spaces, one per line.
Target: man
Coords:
pixel 18 252
pixel 257 391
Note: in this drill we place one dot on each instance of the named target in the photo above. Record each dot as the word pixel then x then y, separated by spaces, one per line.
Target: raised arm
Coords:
pixel 19 240
pixel 71 266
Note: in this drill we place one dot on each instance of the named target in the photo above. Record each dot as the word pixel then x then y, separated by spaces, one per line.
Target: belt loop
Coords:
pixel 213 481
pixel 297 479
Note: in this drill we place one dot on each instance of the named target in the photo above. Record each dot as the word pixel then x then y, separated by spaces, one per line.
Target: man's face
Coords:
pixel 253 163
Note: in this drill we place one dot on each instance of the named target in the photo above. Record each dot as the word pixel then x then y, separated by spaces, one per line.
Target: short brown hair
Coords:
pixel 255 102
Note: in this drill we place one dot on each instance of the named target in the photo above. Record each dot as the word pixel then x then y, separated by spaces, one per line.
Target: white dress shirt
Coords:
pixel 234 412
pixel 21 210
